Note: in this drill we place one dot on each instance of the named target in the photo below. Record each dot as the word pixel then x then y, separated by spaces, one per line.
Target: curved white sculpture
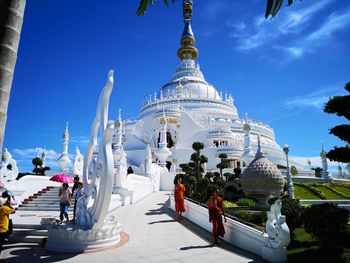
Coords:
pixel 102 178
pixel 92 229
pixel 78 163
pixel 276 227
pixel 9 169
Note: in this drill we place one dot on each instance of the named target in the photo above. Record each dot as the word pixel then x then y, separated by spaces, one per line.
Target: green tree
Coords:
pixel 293 170
pixel 38 166
pixel 340 105
pixel 193 178
pixel 223 163
pixel 11 19
pixel 37 162
pixel 272 6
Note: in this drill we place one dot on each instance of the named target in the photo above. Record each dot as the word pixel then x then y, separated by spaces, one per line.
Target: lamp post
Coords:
pixel 289 178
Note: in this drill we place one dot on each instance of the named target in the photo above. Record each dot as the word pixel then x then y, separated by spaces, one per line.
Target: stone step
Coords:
pixel 43 201
pixel 29 232
pixel 43 205
pixel 27 238
pixel 42 209
pixel 43 198
pixel 28 226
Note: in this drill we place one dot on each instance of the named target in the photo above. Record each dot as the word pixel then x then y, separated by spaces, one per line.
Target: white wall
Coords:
pixel 167 181
pixel 237 234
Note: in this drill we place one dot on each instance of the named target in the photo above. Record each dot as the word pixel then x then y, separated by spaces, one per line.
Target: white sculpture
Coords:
pixel 78 163
pixel 102 178
pixel 148 160
pixel 276 227
pixel 8 168
pixel 163 152
pixel 122 171
pixel 119 157
pixel 92 229
pixel 153 170
pixel 63 161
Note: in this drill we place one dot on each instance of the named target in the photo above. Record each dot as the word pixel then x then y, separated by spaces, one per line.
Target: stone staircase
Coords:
pixel 28 234
pixel 44 200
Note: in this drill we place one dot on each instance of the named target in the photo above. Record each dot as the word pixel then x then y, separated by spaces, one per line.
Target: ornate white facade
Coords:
pixel 195 111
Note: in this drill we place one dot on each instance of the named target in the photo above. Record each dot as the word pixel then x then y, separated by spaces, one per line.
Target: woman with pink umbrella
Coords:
pixel 65 194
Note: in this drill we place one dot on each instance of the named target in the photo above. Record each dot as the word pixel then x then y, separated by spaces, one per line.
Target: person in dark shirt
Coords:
pixel 76 183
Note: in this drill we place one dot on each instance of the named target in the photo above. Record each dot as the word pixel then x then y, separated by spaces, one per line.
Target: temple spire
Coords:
pixel 187 49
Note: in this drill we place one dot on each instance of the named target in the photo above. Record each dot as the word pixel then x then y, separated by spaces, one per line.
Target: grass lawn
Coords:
pixel 343 190
pixel 301 192
pixel 328 193
pixel 307 249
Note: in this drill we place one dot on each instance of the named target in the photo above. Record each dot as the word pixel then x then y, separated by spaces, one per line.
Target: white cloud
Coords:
pixel 309 43
pixel 33 152
pixel 295 105
pixel 80 140
pixel 297 31
pixel 315 99
pixel 262 31
pixel 239 26
pixel 24 157
pixel 335 21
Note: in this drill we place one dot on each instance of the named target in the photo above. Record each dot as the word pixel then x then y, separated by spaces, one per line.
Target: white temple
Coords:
pixel 195 111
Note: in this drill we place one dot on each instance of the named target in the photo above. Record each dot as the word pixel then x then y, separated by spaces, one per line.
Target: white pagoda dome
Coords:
pixel 194 111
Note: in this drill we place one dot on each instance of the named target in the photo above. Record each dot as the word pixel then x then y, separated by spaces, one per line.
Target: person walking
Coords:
pixel 216 210
pixel 65 195
pixel 179 194
pixel 78 194
pixel 5 212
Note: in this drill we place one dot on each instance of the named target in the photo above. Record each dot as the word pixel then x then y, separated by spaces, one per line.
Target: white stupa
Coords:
pixel 195 111
pixel 63 161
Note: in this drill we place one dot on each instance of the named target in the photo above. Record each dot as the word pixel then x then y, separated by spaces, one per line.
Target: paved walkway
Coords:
pixel 154 237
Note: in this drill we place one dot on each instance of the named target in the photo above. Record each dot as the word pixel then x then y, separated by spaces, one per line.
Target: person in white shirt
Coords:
pixel 65 195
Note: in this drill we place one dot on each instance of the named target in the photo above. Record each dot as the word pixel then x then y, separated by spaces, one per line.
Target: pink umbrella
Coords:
pixel 62 178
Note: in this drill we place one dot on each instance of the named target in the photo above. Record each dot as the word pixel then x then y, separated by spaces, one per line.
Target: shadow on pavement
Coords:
pixel 32 253
pixel 162 221
pixel 193 247
pixel 202 233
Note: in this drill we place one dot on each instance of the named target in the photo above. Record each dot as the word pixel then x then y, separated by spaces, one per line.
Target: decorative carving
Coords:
pixel 276 227
pixel 78 163
pixel 92 229
pixel 8 168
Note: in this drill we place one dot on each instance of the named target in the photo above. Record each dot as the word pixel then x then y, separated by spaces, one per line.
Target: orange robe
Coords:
pixel 180 198
pixel 216 208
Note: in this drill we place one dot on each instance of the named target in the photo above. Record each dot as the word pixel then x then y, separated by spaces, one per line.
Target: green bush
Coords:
pixel 325 222
pixel 246 202
pixel 293 212
pixel 254 217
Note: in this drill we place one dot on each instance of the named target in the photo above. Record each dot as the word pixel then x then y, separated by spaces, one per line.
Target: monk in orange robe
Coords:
pixel 179 193
pixel 216 210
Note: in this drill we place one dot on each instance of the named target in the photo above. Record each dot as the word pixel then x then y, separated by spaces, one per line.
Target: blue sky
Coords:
pixel 280 71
